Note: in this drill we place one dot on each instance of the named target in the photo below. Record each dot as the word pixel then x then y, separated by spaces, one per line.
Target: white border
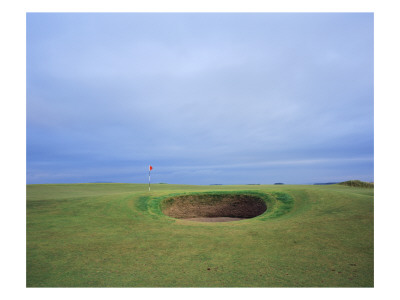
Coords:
pixel 13 132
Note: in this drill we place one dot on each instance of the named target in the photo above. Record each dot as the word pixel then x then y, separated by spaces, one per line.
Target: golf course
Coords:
pixel 123 235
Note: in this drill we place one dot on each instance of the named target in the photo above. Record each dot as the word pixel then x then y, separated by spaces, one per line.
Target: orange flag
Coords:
pixel 150 168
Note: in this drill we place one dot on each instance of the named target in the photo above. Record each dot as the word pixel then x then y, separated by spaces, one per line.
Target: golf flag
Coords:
pixel 150 168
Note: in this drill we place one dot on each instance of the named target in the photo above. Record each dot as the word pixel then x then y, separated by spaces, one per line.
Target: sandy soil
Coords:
pixel 214 208
pixel 216 219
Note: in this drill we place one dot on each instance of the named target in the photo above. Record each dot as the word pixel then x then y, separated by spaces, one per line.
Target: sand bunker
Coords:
pixel 214 207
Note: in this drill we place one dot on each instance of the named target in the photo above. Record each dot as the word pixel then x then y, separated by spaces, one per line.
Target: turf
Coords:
pixel 358 183
pixel 115 235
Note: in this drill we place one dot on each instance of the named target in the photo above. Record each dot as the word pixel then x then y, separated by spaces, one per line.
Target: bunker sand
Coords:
pixel 216 219
pixel 214 207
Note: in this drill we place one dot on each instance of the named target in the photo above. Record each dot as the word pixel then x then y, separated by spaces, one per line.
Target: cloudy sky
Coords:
pixel 238 98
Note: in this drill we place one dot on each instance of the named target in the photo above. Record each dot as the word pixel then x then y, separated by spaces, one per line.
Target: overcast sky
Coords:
pixel 204 98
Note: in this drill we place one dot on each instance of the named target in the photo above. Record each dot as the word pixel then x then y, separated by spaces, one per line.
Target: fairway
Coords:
pixel 116 235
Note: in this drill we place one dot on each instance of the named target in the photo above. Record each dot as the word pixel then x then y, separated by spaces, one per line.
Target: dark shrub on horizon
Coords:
pixel 358 183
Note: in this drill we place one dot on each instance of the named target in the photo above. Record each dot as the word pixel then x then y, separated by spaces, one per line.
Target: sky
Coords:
pixel 205 98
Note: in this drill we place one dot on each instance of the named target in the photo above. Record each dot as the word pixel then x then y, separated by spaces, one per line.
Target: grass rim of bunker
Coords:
pixel 214 206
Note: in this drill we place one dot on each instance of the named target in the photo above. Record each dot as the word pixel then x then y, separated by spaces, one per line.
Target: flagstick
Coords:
pixel 149 181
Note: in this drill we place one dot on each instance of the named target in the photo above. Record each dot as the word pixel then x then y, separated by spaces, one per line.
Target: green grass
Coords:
pixel 358 183
pixel 115 235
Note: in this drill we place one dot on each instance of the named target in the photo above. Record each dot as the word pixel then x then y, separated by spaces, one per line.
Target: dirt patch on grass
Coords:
pixel 214 207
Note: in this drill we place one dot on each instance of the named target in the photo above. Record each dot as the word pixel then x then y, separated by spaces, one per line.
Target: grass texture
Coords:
pixel 115 235
pixel 358 183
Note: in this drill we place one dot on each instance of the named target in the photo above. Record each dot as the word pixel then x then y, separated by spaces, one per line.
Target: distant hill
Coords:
pixel 358 183
pixel 325 183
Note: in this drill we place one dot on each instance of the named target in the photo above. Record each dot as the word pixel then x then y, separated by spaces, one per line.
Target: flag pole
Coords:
pixel 150 168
